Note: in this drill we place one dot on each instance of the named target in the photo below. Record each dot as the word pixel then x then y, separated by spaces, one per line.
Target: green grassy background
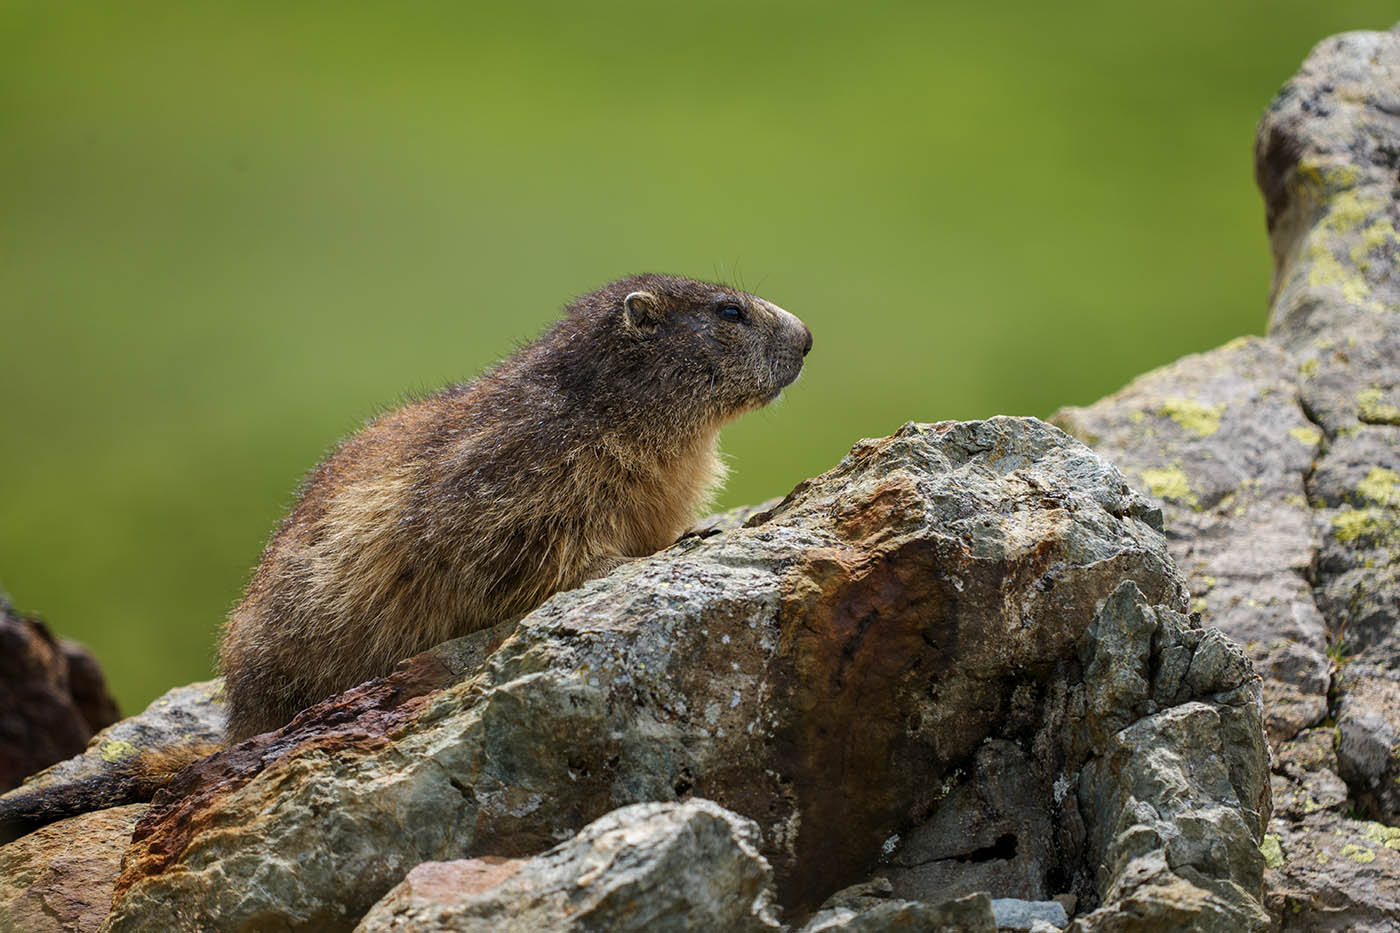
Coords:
pixel 230 232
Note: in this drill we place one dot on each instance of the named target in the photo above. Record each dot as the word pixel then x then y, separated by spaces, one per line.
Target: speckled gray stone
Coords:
pixel 647 867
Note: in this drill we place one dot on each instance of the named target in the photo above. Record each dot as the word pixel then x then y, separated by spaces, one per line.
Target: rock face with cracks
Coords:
pixel 619 873
pixel 1277 465
pixel 984 605
pixel 60 877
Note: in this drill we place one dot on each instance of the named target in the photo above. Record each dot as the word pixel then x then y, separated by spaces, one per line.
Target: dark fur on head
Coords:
pixel 594 444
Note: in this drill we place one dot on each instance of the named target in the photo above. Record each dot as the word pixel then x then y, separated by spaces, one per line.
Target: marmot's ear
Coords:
pixel 642 312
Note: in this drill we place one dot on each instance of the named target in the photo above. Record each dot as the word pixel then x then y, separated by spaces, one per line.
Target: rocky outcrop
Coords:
pixel 960 664
pixel 968 626
pixel 619 873
pixel 52 697
pixel 1275 462
pixel 973 913
pixel 60 877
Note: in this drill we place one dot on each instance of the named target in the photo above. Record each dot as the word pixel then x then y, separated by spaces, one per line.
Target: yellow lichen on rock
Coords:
pixel 1358 853
pixel 1388 836
pixel 1324 269
pixel 1354 524
pixel 1377 235
pixel 1350 210
pixel 1381 486
pixel 1196 417
pixel 1169 483
pixel 1309 437
pixel 117 750
pixel 1272 851
pixel 1372 408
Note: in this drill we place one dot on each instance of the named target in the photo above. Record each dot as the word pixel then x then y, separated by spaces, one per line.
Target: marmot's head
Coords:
pixel 708 350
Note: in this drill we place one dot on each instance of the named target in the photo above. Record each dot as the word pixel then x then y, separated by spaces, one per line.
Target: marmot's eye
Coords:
pixel 731 312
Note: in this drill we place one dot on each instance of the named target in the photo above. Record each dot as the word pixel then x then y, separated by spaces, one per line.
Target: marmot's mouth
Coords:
pixel 785 373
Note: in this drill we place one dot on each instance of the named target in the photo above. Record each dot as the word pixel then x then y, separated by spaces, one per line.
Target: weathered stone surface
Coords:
pixel 52 697
pixel 729 519
pixel 1328 872
pixel 1368 737
pixel 60 877
pixel 1305 776
pixel 1358 485
pixel 1013 914
pixel 982 836
pixel 826 671
pixel 1173 805
pixel 1292 548
pixel 1221 439
pixel 1152 751
pixel 1329 148
pixel 970 914
pixel 103 772
pixel 1326 161
pixel 651 866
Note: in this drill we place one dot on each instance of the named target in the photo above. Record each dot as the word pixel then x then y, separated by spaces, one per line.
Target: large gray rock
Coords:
pixel 647 867
pixel 1221 440
pixel 1174 794
pixel 972 913
pixel 1277 466
pixel 831 670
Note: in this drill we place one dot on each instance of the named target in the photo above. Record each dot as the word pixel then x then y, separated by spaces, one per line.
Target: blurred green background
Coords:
pixel 230 232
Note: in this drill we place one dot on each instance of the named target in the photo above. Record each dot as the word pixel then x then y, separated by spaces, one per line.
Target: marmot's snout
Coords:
pixel 791 341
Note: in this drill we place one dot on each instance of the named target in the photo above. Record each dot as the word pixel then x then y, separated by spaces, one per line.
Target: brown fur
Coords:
pixel 595 444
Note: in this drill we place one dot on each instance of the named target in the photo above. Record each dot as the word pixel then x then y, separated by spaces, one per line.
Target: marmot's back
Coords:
pixel 592 445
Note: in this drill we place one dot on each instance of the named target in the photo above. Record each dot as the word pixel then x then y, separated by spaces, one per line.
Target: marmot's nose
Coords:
pixel 807 341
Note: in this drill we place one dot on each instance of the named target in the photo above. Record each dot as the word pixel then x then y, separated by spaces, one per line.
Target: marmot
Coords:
pixel 590 446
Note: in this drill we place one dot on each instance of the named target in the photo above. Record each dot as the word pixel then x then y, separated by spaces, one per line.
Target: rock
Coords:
pixel 969 914
pixel 858 897
pixel 981 836
pixel 61 876
pixel 1173 805
pixel 1305 779
pixel 621 872
pixel 1013 914
pixel 1222 440
pixel 52 697
pixel 186 716
pixel 1328 872
pixel 829 671
pixel 1325 160
pixel 1275 462
pixel 1359 564
pixel 728 520
pixel 1368 737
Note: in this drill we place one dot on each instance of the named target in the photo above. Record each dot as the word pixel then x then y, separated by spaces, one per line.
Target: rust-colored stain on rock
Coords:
pixel 361 718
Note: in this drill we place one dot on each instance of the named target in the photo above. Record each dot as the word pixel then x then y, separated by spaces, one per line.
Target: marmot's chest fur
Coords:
pixel 595 444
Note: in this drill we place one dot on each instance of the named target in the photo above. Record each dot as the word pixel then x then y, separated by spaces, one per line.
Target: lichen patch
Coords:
pixel 1198 418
